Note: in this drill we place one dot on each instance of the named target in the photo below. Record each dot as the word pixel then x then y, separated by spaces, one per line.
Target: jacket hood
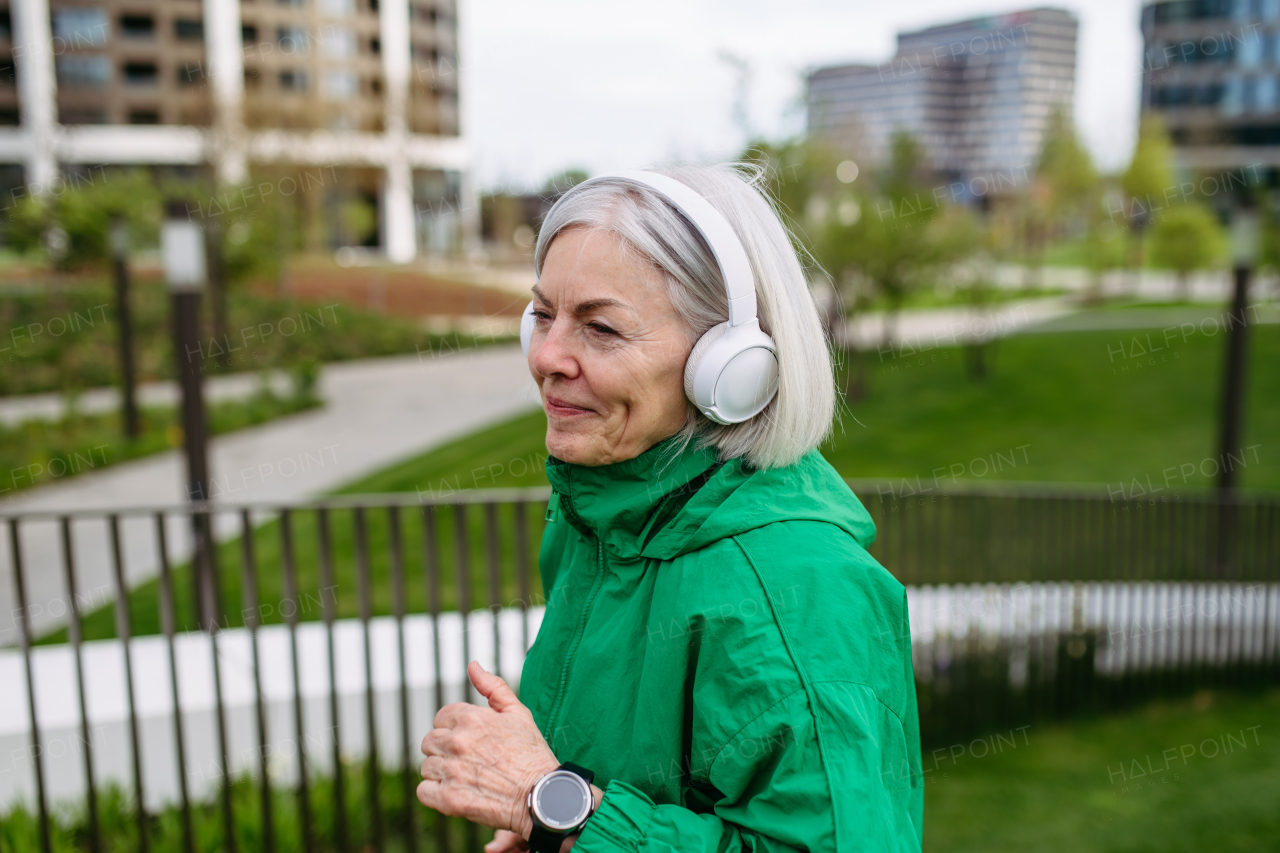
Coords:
pixel 667 502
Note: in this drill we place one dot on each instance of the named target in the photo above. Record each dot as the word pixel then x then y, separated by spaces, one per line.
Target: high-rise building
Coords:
pixel 361 91
pixel 976 94
pixel 1211 70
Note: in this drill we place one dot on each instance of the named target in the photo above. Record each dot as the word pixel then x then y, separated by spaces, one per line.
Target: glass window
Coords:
pixel 1265 95
pixel 83 72
pixel 80 27
pixel 137 26
pixel 188 30
pixel 293 40
pixel 338 41
pixel 294 80
pixel 1251 49
pixel 1232 101
pixel 140 73
pixel 341 85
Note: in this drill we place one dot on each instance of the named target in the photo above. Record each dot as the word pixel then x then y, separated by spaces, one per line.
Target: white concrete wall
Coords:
pixel 57 702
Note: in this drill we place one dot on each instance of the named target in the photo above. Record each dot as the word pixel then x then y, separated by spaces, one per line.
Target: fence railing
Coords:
pixel 261 676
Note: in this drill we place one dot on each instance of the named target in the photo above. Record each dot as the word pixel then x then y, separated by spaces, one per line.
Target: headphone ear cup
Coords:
pixel 527 322
pixel 704 343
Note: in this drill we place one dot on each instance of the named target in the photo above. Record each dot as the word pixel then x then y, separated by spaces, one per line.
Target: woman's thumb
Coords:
pixel 492 687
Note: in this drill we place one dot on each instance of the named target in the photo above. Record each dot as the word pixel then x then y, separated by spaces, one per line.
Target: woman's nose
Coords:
pixel 553 352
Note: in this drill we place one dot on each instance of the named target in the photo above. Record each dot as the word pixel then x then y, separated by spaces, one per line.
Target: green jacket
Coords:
pixel 721 650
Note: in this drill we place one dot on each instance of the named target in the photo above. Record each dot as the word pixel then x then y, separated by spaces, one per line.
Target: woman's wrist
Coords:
pixel 573 839
pixel 524 822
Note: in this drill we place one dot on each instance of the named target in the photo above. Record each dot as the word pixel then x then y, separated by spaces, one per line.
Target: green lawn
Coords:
pixel 1062 789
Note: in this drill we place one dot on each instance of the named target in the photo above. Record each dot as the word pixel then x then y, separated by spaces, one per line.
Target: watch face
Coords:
pixel 561 800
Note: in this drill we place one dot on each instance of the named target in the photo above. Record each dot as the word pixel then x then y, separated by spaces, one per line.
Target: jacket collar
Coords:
pixel 619 503
pixel 623 504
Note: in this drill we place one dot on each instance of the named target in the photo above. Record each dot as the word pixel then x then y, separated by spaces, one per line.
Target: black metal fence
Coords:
pixel 270 691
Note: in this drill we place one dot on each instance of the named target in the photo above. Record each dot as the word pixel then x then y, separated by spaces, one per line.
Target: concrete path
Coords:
pixel 53 406
pixel 1181 319
pixel 377 412
pixel 912 331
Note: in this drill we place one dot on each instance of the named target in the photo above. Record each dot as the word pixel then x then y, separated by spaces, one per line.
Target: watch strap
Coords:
pixel 543 840
pixel 580 771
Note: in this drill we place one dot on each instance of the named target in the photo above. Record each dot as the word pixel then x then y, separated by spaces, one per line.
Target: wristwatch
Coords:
pixel 559 805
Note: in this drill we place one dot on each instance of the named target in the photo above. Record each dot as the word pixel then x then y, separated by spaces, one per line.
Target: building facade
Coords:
pixel 976 94
pixel 365 90
pixel 1211 71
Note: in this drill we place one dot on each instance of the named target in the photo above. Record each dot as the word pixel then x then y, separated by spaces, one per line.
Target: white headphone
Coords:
pixel 732 372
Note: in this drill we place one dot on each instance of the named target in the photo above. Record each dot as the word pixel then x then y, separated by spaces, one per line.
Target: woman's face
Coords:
pixel 608 350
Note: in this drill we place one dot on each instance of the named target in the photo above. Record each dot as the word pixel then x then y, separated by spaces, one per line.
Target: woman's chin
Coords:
pixel 576 447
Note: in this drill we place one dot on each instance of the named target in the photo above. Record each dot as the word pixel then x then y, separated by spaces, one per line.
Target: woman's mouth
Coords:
pixel 565 409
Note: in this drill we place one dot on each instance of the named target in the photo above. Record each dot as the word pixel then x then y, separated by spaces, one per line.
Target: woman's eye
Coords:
pixel 540 314
pixel 602 329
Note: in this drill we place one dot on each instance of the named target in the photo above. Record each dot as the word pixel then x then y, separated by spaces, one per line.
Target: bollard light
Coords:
pixel 182 247
pixel 185 272
pixel 118 239
pixel 1244 237
pixel 1244 254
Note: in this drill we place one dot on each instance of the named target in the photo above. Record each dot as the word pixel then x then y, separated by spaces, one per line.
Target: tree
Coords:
pixel 1066 170
pixel 1062 190
pixel 1145 181
pixel 1105 249
pixel 889 239
pixel 82 212
pixel 800 176
pixel 1150 172
pixel 1186 238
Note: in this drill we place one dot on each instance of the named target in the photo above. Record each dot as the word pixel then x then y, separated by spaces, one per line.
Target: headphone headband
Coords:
pixel 735 268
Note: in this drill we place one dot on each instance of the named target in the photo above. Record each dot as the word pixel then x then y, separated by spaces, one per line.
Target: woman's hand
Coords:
pixel 506 841
pixel 482 762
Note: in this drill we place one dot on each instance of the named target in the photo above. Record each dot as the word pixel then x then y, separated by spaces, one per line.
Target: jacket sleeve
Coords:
pixel 824 769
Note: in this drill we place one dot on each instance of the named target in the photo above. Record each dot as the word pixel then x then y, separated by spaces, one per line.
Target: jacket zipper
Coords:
pixel 573 646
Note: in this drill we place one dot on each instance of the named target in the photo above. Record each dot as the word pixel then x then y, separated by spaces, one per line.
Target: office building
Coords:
pixel 976 94
pixel 1211 70
pixel 364 92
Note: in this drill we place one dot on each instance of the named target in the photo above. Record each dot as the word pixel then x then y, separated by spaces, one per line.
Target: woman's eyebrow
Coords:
pixel 590 304
pixel 593 304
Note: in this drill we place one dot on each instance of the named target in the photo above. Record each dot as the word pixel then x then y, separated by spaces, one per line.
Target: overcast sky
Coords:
pixel 601 85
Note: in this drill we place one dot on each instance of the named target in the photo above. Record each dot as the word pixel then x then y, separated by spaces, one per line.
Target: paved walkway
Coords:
pixel 912 331
pixel 377 412
pixel 53 406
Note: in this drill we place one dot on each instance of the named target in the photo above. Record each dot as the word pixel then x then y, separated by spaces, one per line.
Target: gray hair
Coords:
pixel 799 418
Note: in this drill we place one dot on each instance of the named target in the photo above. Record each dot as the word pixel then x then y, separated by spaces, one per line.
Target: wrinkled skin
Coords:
pixel 608 350
pixel 481 763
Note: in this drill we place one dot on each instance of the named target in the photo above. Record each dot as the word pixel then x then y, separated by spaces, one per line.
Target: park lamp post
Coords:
pixel 182 244
pixel 118 242
pixel 1244 255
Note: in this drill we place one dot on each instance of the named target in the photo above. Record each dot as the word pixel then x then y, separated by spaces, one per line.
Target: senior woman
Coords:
pixel 721 665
